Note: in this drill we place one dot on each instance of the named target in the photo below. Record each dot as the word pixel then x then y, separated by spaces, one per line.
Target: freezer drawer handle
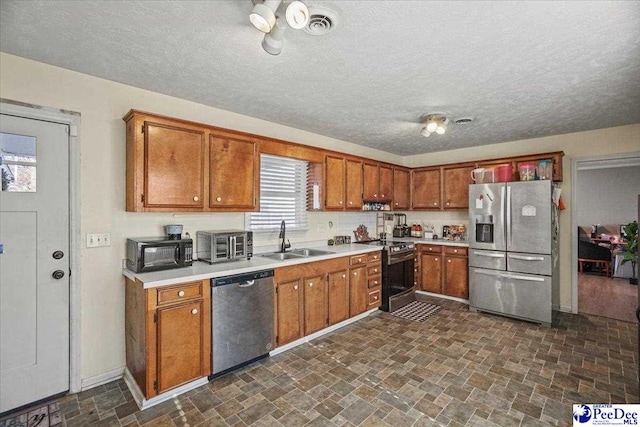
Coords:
pixel 486 272
pixel 527 258
pixel 488 254
pixel 247 284
pixel 518 277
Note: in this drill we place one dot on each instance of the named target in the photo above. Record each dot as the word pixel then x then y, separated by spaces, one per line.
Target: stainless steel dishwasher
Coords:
pixel 242 319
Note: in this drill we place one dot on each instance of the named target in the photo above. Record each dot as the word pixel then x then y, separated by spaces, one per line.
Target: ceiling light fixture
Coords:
pixel 297 15
pixel 274 40
pixel 272 16
pixel 263 15
pixel 434 123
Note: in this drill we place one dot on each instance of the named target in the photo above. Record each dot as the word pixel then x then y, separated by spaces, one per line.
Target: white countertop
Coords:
pixel 444 242
pixel 202 270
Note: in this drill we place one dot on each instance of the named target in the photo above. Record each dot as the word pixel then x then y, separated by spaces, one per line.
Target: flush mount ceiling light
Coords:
pixel 434 123
pixel 263 15
pixel 272 16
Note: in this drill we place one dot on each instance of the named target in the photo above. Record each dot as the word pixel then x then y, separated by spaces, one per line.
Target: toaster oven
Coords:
pixel 222 246
pixel 158 253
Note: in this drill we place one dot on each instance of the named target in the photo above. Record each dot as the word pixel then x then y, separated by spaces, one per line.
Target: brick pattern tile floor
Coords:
pixel 457 368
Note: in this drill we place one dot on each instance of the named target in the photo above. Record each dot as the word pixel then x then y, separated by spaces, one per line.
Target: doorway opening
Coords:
pixel 605 199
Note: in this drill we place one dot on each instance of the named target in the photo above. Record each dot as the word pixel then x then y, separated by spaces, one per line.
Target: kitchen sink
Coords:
pixel 305 252
pixel 280 256
pixel 295 254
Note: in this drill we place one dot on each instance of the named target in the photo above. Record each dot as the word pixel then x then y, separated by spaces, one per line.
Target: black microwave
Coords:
pixel 158 253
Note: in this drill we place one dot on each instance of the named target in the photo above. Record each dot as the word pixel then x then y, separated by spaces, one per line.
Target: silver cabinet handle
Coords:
pixel 295 287
pixel 218 199
pixel 196 198
pixel 311 284
pixel 344 276
pixel 194 311
pixel 181 293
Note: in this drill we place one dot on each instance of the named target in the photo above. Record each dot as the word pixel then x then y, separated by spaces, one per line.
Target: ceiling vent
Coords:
pixel 321 21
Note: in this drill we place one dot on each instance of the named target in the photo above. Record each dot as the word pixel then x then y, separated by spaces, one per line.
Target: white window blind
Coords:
pixel 283 194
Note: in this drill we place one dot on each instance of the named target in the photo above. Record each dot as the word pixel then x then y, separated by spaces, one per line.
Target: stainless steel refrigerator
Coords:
pixel 513 255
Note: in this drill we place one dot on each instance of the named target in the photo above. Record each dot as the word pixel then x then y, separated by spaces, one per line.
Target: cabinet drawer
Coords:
pixel 374 270
pixel 374 281
pixel 376 256
pixel 374 298
pixel 455 250
pixel 358 259
pixel 182 292
pixel 431 248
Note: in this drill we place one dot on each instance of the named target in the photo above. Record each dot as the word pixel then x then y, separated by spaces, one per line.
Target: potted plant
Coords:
pixel 630 250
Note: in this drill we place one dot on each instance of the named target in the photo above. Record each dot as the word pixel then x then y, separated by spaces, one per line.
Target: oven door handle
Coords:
pixel 395 259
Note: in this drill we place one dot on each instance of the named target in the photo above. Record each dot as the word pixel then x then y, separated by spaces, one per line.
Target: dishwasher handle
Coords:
pixel 246 284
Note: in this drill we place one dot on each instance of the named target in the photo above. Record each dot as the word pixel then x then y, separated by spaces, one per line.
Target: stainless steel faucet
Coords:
pixel 284 245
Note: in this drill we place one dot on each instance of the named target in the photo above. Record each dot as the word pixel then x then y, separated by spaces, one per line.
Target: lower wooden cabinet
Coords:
pixel 168 334
pixel 289 311
pixel 338 296
pixel 443 270
pixel 315 304
pixel 315 295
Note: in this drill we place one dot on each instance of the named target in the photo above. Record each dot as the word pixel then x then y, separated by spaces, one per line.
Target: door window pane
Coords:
pixel 18 162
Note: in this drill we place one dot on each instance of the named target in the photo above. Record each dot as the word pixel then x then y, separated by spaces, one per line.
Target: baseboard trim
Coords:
pixel 143 403
pixel 101 379
pixel 431 294
pixel 324 331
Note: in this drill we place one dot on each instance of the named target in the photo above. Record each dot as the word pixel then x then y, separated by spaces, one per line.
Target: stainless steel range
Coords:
pixel 397 273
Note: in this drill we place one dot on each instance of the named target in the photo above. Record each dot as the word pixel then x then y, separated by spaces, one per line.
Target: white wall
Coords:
pixel 103 103
pixel 607 196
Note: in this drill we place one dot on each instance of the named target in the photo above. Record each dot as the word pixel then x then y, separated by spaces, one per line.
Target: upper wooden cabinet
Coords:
pixel 234 173
pixel 354 184
pixel 377 183
pixel 425 189
pixel 401 189
pixel 170 168
pixel 455 184
pixel 334 183
pixel 175 165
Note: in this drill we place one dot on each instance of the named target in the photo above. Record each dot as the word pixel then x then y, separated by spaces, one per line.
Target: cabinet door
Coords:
pixel 233 169
pixel 338 296
pixel 456 187
pixel 354 184
pixel 431 271
pixel 180 344
pixel 289 311
pixel 334 182
pixel 315 304
pixel 386 184
pixel 425 189
pixel 173 167
pixel 358 290
pixel 456 283
pixel 371 182
pixel 401 189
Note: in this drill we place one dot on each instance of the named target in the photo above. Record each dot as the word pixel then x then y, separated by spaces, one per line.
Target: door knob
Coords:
pixel 57 255
pixel 58 274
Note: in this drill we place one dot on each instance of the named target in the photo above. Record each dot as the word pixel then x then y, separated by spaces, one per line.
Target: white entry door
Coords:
pixel 34 263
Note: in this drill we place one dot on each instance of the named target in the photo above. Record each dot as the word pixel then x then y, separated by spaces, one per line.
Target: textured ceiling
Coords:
pixel 522 69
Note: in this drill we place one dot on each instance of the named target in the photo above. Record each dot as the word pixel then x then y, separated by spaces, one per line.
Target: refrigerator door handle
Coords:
pixel 488 254
pixel 526 258
pixel 502 209
pixel 519 277
pixel 486 272
pixel 509 225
